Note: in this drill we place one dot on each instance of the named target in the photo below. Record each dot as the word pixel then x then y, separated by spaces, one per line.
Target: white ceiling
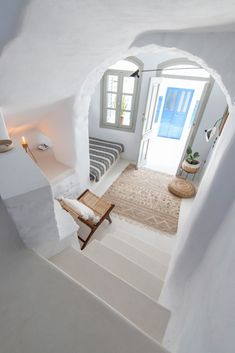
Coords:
pixel 60 41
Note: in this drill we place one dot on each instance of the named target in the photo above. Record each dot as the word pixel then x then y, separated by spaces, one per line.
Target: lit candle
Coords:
pixel 23 141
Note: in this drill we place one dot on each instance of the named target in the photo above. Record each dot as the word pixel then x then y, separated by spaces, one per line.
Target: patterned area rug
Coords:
pixel 142 195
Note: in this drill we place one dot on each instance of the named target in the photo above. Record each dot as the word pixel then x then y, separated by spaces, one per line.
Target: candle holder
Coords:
pixel 25 146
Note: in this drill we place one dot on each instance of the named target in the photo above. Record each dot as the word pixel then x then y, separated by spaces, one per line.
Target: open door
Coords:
pixel 195 120
pixel 148 120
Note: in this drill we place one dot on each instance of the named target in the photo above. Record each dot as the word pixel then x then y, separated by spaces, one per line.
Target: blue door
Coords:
pixel 175 111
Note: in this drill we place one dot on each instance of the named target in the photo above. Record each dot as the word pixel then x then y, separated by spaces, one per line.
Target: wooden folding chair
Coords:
pixel 100 207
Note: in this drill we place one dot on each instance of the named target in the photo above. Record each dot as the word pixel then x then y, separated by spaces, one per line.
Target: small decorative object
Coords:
pixel 191 163
pixel 214 130
pixel 25 145
pixel 123 108
pixel 6 143
pixel 121 120
pixel 43 147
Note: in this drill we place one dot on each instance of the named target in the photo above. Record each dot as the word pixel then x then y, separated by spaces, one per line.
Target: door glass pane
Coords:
pixel 173 100
pixel 110 116
pixel 111 100
pixel 125 118
pixel 168 98
pixel 181 101
pixel 128 85
pixel 112 83
pixel 126 102
pixel 159 104
pixel 186 102
pixel 173 121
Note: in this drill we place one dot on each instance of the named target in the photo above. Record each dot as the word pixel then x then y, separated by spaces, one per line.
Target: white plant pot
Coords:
pixel 190 168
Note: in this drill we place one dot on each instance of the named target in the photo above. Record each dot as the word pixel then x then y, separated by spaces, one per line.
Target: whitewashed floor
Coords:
pixel 152 237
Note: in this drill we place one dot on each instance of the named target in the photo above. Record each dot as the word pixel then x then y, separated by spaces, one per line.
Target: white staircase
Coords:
pixel 158 253
pixel 125 272
pixel 153 266
pixel 124 269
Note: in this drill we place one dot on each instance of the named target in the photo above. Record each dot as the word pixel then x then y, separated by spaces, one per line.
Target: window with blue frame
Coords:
pixel 175 111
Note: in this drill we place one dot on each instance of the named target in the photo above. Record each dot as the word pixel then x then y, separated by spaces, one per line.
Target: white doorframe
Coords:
pixel 198 117
pixel 146 134
pixel 148 120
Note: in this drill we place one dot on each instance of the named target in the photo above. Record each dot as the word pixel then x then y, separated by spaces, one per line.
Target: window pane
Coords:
pixel 111 100
pixel 128 85
pixel 110 116
pixel 126 102
pixel 112 83
pixel 125 118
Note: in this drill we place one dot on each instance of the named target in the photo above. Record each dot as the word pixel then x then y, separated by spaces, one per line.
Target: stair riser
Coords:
pixel 124 269
pixel 148 315
pixel 147 263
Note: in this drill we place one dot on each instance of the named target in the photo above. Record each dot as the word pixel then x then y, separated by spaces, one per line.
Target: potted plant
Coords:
pixel 191 164
pixel 122 110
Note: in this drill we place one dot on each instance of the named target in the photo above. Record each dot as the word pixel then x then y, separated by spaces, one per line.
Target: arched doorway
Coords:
pixel 177 98
pixel 192 86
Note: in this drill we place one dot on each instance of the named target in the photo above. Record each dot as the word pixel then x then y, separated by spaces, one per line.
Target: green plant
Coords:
pixel 192 157
pixel 123 105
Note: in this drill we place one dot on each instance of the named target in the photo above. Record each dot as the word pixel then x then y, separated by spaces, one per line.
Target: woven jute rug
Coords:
pixel 142 196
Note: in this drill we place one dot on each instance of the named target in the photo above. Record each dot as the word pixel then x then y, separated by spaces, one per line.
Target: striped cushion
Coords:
pixel 102 155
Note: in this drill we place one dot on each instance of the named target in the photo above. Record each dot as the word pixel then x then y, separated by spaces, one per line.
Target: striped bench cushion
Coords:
pixel 102 155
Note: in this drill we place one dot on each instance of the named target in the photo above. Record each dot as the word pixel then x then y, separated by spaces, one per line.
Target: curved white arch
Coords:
pixel 83 99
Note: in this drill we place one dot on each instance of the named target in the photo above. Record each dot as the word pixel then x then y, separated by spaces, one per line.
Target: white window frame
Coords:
pixel 133 112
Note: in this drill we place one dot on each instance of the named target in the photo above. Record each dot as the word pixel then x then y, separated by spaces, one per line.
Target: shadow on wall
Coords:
pixel 11 16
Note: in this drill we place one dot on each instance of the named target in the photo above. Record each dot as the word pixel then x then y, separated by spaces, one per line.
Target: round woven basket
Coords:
pixel 182 188
pixel 190 168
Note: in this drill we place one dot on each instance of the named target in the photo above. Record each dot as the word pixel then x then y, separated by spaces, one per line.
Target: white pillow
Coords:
pixel 84 211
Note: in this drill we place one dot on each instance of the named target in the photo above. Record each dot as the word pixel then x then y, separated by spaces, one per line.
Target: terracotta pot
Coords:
pixel 121 120
pixel 190 168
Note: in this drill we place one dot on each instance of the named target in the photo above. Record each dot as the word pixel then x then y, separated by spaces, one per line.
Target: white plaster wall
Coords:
pixel 70 140
pixel 32 136
pixel 55 55
pixel 59 127
pixel 214 110
pixel 54 121
pixel 200 289
pixel 28 198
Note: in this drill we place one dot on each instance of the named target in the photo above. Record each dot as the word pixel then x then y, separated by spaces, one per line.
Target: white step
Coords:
pixel 148 263
pixel 149 316
pixel 152 251
pixel 124 269
pixel 153 237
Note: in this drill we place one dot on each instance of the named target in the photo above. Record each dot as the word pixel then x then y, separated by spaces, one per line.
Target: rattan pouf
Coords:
pixel 182 188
